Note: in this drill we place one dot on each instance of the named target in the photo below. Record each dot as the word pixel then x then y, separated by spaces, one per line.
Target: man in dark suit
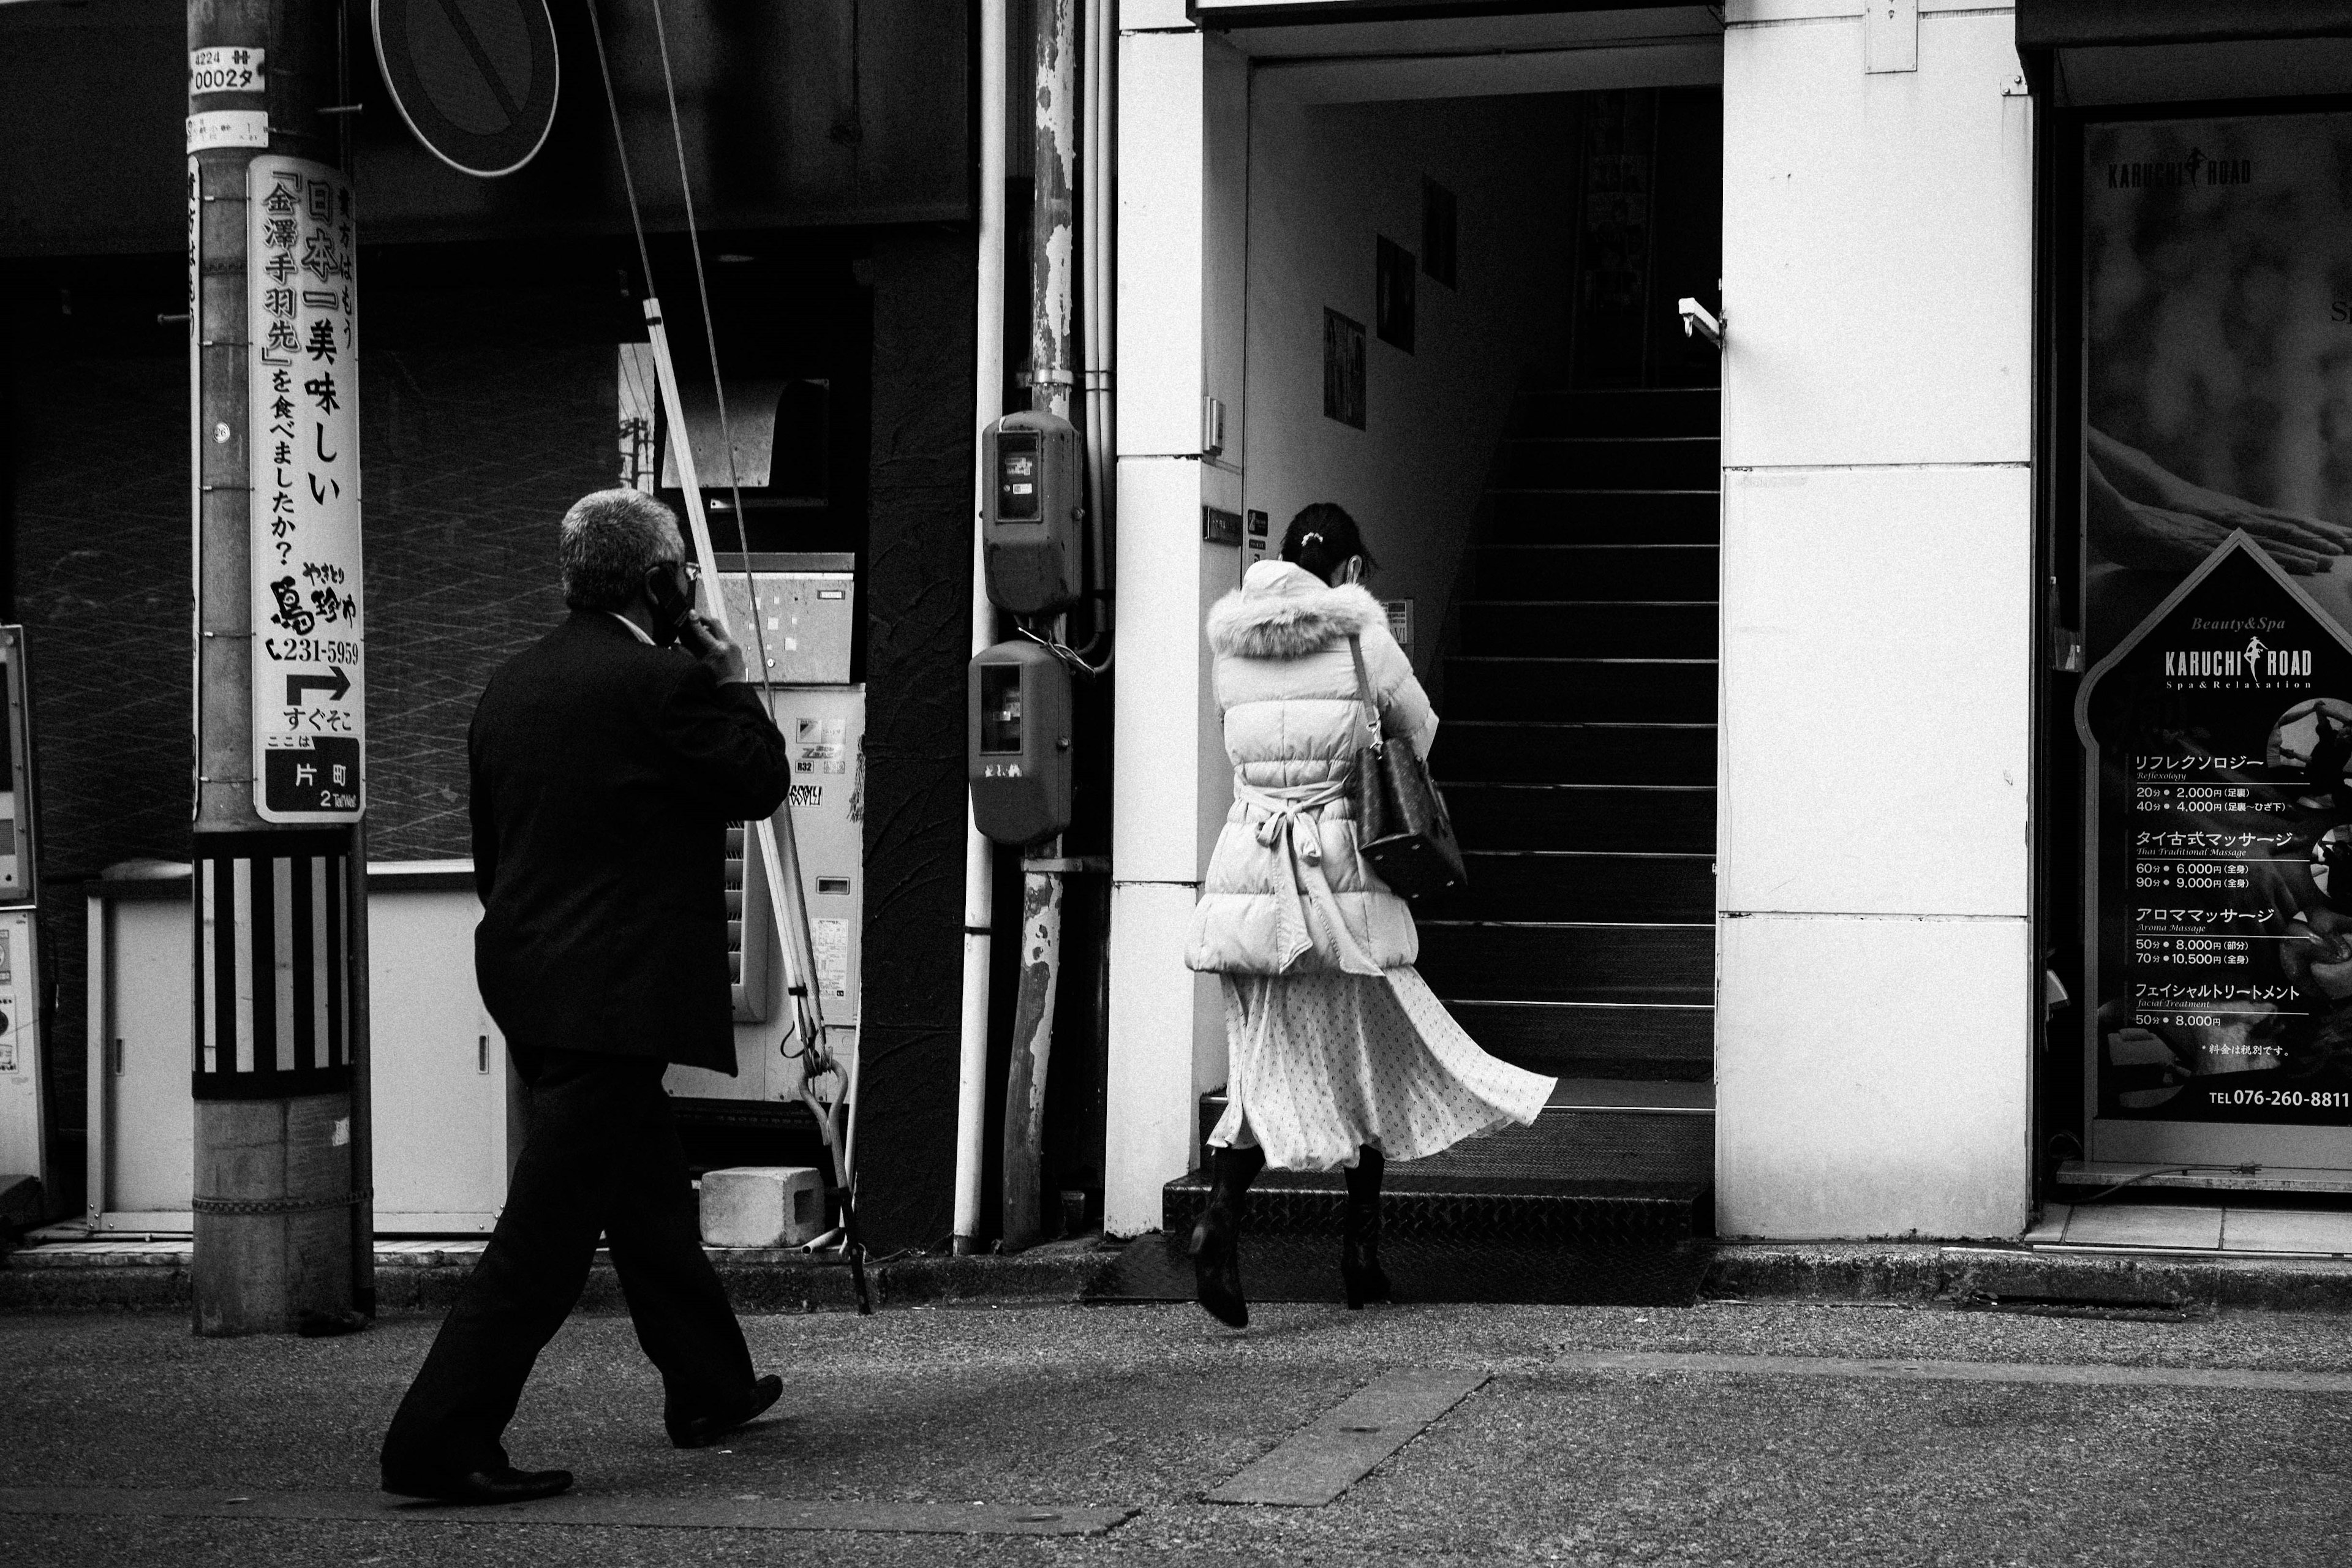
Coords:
pixel 605 767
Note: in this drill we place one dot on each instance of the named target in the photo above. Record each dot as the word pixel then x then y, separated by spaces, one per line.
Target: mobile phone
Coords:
pixel 672 606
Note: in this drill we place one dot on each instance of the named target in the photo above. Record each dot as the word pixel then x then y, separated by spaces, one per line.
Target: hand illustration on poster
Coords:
pixel 2139 514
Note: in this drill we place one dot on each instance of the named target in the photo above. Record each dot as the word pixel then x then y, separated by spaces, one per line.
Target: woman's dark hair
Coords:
pixel 1322 536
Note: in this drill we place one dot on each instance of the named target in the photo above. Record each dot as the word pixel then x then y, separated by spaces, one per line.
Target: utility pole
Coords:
pixel 1052 280
pixel 278 1020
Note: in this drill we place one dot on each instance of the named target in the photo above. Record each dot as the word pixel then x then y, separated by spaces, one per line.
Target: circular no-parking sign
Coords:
pixel 475 79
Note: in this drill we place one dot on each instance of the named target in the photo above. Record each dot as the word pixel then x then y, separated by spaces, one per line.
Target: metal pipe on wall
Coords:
pixel 1095 255
pixel 988 405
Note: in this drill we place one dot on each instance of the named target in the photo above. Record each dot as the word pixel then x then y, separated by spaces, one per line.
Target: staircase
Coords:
pixel 1578 758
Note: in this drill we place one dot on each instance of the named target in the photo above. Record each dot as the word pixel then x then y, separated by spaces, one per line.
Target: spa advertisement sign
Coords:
pixel 2214 596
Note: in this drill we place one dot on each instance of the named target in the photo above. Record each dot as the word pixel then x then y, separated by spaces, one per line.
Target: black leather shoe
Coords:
pixel 1217 1268
pixel 701 1431
pixel 504 1484
pixel 1360 1245
pixel 1216 1240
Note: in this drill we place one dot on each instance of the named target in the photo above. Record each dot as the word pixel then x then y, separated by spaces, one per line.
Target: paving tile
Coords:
pixel 2287 1230
pixel 2143 1224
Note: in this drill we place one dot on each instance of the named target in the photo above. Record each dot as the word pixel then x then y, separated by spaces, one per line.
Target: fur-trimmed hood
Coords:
pixel 1284 611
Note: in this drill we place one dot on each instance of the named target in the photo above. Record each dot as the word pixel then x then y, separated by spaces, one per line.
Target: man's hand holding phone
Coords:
pixel 703 639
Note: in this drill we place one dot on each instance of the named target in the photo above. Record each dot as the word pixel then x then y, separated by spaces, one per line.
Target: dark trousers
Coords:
pixel 602 1158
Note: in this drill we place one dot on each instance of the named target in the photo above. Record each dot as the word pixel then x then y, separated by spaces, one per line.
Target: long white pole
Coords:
pixel 988 400
pixel 779 857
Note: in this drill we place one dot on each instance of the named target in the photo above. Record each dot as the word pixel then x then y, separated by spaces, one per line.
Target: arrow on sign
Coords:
pixel 334 683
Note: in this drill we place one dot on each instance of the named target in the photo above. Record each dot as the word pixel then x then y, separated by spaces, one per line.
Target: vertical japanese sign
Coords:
pixel 309 679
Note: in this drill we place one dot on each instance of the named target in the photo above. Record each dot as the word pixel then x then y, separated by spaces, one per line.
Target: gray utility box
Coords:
pixel 796 611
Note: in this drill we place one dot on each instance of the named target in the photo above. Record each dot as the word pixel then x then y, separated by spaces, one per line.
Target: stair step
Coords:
pixel 1609 462
pixel 1686 572
pixel 1571 1149
pixel 1593 1039
pixel 1575 885
pixel 1618 412
pixel 1671 818
pixel 1482 686
pixel 1504 750
pixel 1606 627
pixel 1603 517
pixel 1543 962
pixel 1571 1249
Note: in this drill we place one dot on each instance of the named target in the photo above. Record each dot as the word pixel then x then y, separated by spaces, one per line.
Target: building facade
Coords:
pixel 1804 683
pixel 1930 302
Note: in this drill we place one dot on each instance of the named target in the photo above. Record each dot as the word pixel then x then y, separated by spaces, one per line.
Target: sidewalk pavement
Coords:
pixel 1758 1432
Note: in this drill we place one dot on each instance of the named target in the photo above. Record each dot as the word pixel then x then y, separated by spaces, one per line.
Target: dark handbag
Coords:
pixel 1402 828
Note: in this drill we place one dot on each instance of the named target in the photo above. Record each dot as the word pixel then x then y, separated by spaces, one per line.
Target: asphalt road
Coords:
pixel 1151 1407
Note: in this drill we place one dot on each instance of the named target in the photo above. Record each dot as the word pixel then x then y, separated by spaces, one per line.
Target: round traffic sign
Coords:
pixel 475 79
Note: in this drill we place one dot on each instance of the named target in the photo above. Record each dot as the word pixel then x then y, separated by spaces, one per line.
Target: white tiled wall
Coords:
pixel 1876 676
pixel 1872 1078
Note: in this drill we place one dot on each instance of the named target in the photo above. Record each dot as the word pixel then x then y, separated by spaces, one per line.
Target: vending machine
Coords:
pixel 796 614
pixel 26 1191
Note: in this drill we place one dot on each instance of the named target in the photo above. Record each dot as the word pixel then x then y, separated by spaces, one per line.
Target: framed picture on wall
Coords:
pixel 1393 273
pixel 1438 224
pixel 1343 369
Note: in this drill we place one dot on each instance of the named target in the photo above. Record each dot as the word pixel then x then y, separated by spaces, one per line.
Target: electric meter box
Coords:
pixel 1019 750
pixel 800 610
pixel 1033 539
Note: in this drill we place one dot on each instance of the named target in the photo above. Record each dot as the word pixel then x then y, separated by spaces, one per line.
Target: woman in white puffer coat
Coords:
pixel 1339 1055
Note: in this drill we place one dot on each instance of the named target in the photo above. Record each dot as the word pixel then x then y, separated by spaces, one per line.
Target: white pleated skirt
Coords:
pixel 1320 1064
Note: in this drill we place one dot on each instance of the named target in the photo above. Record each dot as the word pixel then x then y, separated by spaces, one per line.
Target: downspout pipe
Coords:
pixel 987 406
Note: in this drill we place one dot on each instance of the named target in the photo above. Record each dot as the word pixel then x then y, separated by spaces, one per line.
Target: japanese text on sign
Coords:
pixel 309 689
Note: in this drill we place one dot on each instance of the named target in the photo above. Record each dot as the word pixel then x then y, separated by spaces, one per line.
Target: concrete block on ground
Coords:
pixel 763 1205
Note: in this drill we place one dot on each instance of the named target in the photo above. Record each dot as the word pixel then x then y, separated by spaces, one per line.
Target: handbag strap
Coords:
pixel 1364 694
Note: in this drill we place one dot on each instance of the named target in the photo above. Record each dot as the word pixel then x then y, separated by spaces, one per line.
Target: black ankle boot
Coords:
pixel 1217 1250
pixel 1360 1246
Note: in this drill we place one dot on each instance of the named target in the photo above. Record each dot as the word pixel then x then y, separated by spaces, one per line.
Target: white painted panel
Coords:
pixel 438 1064
pixel 151 1130
pixel 1877 247
pixel 1161 180
pixel 1877 680
pixel 1157 1015
pixel 440 1121
pixel 1162 672
pixel 1871 1078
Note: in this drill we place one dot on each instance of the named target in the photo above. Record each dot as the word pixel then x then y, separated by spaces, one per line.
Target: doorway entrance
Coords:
pixel 1459 322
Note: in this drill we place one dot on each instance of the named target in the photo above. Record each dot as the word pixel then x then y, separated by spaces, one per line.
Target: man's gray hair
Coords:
pixel 610 539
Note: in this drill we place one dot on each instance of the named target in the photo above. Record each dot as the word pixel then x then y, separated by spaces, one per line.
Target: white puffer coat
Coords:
pixel 1287 892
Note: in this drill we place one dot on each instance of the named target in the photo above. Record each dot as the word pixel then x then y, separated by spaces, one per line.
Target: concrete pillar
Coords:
pixel 1877 1012
pixel 1183 125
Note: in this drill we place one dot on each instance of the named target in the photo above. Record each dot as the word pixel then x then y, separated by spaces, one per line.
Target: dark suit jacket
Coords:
pixel 605 772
